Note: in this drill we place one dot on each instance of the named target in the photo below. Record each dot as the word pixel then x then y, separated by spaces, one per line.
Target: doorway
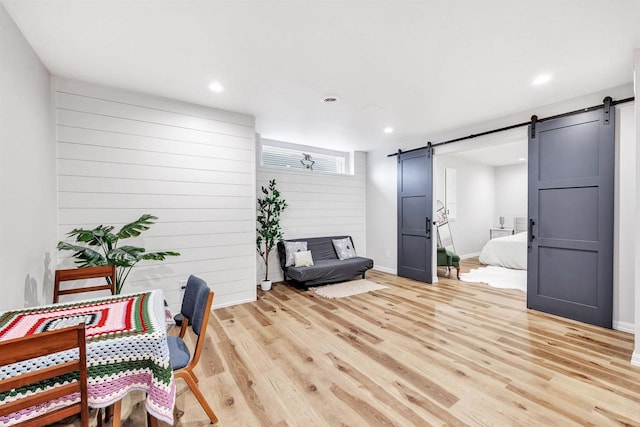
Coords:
pixel 491 184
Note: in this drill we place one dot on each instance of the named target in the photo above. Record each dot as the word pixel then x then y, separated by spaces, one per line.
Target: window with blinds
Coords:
pixel 285 155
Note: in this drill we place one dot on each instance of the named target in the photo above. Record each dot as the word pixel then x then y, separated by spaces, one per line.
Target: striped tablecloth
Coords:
pixel 126 348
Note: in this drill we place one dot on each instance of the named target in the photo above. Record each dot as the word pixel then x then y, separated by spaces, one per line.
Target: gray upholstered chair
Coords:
pixel 196 307
pixel 189 301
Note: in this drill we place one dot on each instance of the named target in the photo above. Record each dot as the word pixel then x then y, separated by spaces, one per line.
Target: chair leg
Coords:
pixel 186 375
pixel 458 272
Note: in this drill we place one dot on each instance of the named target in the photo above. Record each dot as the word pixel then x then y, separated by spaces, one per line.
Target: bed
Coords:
pixel 508 251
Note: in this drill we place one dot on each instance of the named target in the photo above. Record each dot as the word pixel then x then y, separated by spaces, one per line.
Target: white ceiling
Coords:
pixel 421 67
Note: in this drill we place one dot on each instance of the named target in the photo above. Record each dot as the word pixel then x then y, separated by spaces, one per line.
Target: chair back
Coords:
pixel 32 407
pixel 194 284
pixel 200 318
pixel 106 271
pixel 202 310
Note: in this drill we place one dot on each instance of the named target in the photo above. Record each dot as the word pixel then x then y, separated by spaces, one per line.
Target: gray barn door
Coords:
pixel 415 207
pixel 570 253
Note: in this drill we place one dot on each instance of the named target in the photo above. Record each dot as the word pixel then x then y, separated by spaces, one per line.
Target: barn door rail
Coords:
pixel 606 105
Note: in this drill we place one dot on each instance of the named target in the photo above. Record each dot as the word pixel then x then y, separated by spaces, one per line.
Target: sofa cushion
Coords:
pixel 344 248
pixel 290 249
pixel 178 352
pixel 320 247
pixel 330 270
pixel 303 259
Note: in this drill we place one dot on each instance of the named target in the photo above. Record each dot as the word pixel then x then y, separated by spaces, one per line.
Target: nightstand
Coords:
pixel 500 232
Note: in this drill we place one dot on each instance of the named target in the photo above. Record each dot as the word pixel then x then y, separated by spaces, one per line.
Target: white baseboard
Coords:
pixel 229 304
pixel 635 358
pixel 385 269
pixel 624 326
pixel 471 255
pixel 394 271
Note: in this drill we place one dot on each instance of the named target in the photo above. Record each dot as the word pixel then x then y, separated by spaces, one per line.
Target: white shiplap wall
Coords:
pixel 319 204
pixel 122 154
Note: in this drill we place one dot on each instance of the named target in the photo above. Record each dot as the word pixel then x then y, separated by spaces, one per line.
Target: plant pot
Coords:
pixel 265 285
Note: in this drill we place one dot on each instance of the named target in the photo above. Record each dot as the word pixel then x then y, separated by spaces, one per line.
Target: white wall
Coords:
pixel 27 173
pixel 382 208
pixel 511 184
pixel 122 154
pixel 625 218
pixel 636 279
pixel 382 183
pixel 475 201
pixel 319 204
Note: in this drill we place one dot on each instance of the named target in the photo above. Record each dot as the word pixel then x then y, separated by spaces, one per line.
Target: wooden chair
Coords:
pixel 45 344
pixel 196 307
pixel 106 271
pixel 189 302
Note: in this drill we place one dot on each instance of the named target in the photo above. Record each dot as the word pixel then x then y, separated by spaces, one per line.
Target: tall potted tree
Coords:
pixel 107 252
pixel 270 207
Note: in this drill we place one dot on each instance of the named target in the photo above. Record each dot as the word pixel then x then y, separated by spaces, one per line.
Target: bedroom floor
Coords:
pixel 496 277
pixel 469 263
pixel 465 266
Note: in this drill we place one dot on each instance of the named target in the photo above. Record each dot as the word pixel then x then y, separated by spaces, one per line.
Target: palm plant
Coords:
pixel 270 207
pixel 107 251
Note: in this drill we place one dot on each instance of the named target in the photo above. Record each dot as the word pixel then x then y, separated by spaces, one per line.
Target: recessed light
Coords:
pixel 388 130
pixel 521 159
pixel 541 79
pixel 215 87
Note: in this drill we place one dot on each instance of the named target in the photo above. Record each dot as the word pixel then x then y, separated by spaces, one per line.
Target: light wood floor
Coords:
pixel 413 354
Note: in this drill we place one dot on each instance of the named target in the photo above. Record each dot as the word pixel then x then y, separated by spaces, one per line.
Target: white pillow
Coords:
pixel 303 259
pixel 344 248
pixel 290 248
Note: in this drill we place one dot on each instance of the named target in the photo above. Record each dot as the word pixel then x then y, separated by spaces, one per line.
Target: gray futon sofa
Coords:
pixel 327 268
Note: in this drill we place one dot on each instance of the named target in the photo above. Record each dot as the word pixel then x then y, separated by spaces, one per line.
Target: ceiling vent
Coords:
pixel 332 99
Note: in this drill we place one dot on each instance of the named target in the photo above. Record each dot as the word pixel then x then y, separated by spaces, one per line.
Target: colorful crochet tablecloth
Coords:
pixel 126 348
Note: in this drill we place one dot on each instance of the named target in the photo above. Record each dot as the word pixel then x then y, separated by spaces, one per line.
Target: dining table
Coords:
pixel 126 346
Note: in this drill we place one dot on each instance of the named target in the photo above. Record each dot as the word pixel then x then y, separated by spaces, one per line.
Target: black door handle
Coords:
pixel 531 224
pixel 427 227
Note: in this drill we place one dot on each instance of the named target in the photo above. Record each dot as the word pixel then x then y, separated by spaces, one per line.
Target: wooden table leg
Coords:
pixel 117 414
pixel 151 420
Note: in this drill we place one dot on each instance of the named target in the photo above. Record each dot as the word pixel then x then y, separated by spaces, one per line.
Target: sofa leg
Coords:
pixel 363 275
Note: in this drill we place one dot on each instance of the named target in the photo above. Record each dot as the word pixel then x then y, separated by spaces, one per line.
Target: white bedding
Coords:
pixel 508 251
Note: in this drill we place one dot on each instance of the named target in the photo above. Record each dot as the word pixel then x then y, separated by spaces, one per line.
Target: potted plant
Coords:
pixel 106 250
pixel 270 207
